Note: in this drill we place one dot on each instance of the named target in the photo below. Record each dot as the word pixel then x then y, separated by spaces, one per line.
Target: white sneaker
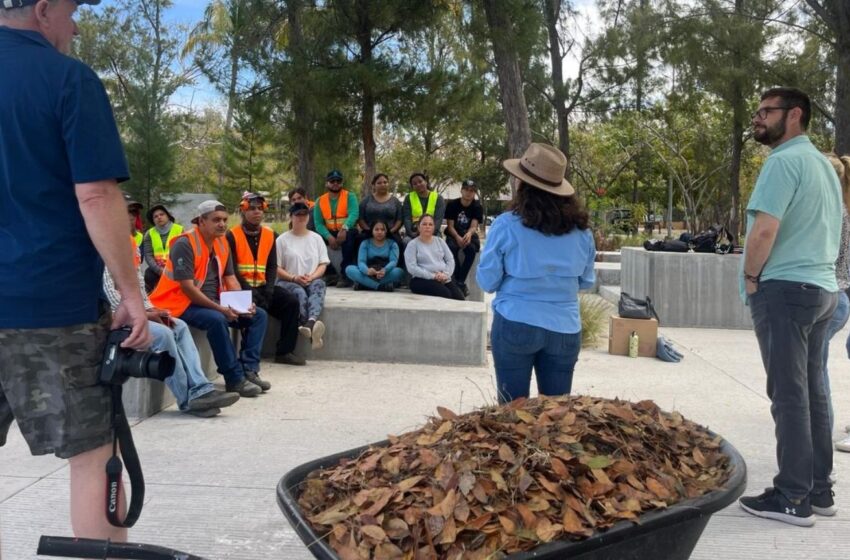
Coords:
pixel 318 332
pixel 843 445
pixel 305 332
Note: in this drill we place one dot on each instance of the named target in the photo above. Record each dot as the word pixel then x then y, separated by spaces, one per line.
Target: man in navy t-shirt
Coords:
pixel 60 213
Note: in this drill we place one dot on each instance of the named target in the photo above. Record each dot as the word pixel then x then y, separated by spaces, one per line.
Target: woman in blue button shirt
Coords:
pixel 536 258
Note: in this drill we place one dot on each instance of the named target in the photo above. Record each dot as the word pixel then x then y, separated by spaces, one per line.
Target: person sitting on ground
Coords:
pixel 156 242
pixel 430 263
pixel 462 218
pixel 192 390
pixel 199 268
pixel 377 262
pixel 421 200
pixel 335 214
pixel 252 245
pixel 298 194
pixel 302 258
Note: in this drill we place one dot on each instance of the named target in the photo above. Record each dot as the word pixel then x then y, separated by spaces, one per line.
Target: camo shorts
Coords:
pixel 48 384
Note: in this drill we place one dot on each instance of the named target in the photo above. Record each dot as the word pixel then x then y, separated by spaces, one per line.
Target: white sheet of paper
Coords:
pixel 239 300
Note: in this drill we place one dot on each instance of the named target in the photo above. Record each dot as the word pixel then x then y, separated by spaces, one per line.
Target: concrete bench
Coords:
pixel 687 289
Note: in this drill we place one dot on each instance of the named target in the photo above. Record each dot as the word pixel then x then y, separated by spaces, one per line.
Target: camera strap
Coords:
pixel 123 439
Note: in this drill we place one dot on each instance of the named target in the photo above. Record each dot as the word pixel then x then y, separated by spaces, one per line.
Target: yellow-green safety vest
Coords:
pixel 416 205
pixel 160 251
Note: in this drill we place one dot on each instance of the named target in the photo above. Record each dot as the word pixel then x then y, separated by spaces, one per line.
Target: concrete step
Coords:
pixel 610 293
pixel 398 327
pixel 607 273
pixel 608 256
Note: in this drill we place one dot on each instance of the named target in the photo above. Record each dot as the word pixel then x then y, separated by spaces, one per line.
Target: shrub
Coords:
pixel 594 312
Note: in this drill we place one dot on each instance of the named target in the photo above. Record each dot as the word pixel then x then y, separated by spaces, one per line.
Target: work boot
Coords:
pixel 254 377
pixel 213 399
pixel 290 359
pixel 245 388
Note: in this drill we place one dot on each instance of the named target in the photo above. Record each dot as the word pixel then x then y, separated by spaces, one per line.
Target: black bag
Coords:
pixel 633 308
pixel 715 239
pixel 669 246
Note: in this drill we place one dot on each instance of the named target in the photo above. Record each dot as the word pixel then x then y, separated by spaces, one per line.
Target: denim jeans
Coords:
pixel 311 299
pixel 230 366
pixel 355 275
pixel 519 347
pixel 188 380
pixel 836 323
pixel 790 321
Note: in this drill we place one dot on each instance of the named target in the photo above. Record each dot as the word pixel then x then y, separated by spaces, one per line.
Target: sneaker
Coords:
pixel 823 503
pixel 464 290
pixel 254 377
pixel 204 412
pixel 773 505
pixel 386 288
pixel 290 359
pixel 843 445
pixel 318 331
pixel 245 388
pixel 344 283
pixel 357 287
pixel 305 331
pixel 213 399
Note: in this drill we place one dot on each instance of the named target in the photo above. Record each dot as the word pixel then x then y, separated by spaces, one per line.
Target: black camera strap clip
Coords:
pixel 123 439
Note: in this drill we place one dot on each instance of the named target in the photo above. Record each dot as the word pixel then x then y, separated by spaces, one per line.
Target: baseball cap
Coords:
pixel 10 4
pixel 298 208
pixel 334 174
pixel 252 196
pixel 206 207
pixel 468 183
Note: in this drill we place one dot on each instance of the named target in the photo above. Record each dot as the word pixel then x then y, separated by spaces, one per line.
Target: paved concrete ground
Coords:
pixel 211 483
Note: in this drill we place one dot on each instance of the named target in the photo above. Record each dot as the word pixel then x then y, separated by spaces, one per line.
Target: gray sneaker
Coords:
pixel 213 399
pixel 204 412
pixel 254 377
pixel 245 388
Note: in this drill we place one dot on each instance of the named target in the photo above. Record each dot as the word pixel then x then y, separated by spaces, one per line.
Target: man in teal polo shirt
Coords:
pixel 788 280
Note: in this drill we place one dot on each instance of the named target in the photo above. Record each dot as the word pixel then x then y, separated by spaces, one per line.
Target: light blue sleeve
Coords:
pixel 775 188
pixel 393 256
pixel 491 267
pixel 588 277
pixel 363 257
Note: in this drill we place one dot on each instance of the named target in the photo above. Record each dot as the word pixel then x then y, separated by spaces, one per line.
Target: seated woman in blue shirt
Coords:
pixel 377 261
pixel 536 258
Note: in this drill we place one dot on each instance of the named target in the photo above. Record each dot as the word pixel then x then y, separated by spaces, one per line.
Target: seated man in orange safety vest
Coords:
pixel 335 215
pixel 198 269
pixel 253 246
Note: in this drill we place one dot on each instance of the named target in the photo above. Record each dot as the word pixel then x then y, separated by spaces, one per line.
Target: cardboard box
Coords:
pixel 620 329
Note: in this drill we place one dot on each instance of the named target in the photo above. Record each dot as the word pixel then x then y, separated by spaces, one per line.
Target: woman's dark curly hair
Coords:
pixel 548 213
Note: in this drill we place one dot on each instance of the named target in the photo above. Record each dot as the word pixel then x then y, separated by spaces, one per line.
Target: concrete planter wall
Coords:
pixel 687 289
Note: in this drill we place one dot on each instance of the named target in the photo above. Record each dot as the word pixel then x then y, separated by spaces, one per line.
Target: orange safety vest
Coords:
pixel 137 256
pixel 253 270
pixel 334 223
pixel 168 294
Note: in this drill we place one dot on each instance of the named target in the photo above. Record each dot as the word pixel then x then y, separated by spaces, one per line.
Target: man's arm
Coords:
pixel 407 216
pixel 105 214
pixel 353 211
pixel 758 246
pixel 319 222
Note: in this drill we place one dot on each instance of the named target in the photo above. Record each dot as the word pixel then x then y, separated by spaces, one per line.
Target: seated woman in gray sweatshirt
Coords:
pixel 430 263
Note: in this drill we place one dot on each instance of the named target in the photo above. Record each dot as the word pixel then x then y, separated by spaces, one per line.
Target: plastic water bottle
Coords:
pixel 633 344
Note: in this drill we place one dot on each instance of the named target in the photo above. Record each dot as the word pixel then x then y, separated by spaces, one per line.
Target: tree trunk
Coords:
pixel 559 101
pixel 842 92
pixel 514 108
pixel 739 120
pixel 367 106
pixel 300 109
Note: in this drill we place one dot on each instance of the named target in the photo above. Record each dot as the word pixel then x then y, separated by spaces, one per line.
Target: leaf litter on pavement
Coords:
pixel 505 479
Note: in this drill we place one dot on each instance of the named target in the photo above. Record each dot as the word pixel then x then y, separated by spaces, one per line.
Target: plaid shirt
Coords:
pixel 114 297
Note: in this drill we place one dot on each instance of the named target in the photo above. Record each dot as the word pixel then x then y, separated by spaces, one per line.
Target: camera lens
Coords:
pixel 154 365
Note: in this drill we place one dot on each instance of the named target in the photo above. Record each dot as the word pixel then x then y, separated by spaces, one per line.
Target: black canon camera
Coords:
pixel 119 364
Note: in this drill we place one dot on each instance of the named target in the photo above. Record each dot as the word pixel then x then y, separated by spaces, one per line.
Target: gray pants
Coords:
pixel 311 298
pixel 791 320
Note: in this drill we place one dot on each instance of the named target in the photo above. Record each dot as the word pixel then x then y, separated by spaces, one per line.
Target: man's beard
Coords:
pixel 771 134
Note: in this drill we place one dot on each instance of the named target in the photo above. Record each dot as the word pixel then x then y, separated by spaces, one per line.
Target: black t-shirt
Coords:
pixel 463 215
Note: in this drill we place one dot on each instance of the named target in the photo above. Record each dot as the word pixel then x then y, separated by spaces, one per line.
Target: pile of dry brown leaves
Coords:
pixel 506 479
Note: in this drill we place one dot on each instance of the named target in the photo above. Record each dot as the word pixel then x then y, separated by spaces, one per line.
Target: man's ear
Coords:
pixel 41 9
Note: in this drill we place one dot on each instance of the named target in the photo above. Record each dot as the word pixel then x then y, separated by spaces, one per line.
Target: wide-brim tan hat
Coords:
pixel 542 166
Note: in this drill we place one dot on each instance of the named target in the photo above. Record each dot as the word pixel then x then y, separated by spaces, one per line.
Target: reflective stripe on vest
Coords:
pixel 416 205
pixel 334 223
pixel 251 269
pixel 168 294
pixel 160 251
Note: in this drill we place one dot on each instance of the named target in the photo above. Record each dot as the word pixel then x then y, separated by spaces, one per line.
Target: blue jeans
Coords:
pixel 311 299
pixel 394 276
pixel 517 347
pixel 188 380
pixel 230 366
pixel 839 319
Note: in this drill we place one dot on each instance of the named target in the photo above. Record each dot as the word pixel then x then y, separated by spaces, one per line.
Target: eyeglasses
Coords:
pixel 762 113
